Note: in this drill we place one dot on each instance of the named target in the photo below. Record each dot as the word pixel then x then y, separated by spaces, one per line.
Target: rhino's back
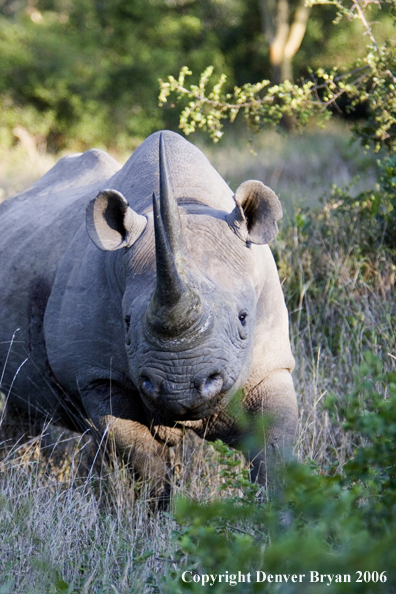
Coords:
pixel 37 223
pixel 36 227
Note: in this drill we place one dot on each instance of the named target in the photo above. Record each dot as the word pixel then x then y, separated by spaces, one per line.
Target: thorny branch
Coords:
pixel 362 18
pixel 372 84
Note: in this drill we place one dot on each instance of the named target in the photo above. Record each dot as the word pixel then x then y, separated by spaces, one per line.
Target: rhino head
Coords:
pixel 190 315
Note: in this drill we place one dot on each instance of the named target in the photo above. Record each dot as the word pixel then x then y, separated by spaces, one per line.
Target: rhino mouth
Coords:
pixel 205 398
pixel 178 411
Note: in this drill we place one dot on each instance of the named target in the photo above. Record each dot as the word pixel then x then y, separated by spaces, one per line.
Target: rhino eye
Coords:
pixel 242 317
pixel 127 321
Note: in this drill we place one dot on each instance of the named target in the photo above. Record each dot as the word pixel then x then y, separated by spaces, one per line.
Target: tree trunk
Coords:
pixel 284 30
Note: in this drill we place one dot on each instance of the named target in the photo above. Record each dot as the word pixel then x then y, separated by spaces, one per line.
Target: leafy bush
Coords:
pixel 75 75
pixel 369 83
pixel 334 524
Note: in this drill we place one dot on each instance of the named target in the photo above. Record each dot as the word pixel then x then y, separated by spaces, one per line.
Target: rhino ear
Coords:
pixel 111 223
pixel 256 212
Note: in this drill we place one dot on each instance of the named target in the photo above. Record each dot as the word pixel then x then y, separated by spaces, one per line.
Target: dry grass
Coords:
pixel 20 168
pixel 338 278
pixel 299 168
pixel 67 515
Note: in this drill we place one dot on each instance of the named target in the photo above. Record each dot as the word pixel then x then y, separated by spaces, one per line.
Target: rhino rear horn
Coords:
pixel 111 223
pixel 256 212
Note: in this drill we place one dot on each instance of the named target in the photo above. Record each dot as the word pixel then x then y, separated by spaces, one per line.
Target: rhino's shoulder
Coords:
pixel 74 171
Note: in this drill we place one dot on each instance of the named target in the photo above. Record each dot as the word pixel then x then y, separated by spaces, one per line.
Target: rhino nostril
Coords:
pixel 146 386
pixel 211 386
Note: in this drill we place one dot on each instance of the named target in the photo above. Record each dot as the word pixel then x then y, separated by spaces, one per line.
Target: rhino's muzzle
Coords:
pixel 191 402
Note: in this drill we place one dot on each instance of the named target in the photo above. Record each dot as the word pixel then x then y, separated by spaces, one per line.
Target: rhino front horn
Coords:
pixel 174 307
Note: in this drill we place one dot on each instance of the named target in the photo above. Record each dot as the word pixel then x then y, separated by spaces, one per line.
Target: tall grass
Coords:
pixel 71 522
pixel 299 168
pixel 340 297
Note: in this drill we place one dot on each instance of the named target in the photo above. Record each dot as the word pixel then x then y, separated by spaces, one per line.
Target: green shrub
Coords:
pixel 337 524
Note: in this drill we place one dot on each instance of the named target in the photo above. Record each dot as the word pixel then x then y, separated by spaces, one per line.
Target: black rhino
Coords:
pixel 141 299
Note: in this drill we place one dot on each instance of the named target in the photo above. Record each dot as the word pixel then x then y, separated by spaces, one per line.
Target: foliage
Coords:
pixel 337 524
pixel 78 74
pixel 369 81
pixel 278 101
pixel 85 73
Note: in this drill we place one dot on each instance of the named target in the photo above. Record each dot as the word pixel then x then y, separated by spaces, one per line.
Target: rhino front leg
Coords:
pixel 120 415
pixel 274 398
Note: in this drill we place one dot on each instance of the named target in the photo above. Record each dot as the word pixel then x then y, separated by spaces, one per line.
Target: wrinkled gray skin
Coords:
pixel 105 341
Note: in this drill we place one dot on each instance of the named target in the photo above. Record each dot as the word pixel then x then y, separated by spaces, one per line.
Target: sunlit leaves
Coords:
pixel 369 82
